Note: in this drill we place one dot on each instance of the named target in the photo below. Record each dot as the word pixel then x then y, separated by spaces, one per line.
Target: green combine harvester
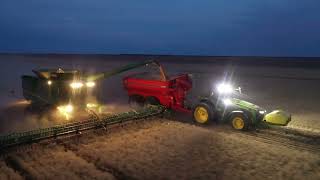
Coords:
pixel 67 90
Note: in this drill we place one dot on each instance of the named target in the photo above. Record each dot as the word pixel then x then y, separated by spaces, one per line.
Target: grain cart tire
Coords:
pixel 136 102
pixel 239 121
pixel 203 113
pixel 151 101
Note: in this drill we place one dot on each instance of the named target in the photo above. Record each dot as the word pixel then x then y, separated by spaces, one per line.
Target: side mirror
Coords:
pixel 239 90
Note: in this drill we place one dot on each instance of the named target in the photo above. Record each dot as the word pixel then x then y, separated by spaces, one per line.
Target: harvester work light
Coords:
pixel 76 85
pixel 90 84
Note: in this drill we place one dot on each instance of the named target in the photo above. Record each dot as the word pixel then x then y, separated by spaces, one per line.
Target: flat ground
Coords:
pixel 163 149
pixel 167 149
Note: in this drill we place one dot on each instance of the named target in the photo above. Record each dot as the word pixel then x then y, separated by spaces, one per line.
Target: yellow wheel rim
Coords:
pixel 238 123
pixel 201 115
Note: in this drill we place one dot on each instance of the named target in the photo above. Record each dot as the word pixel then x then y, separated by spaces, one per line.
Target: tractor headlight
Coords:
pixel 227 102
pixel 224 88
pixel 90 84
pixel 76 85
pixel 262 111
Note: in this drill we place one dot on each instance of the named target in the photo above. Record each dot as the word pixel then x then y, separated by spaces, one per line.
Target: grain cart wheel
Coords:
pixel 151 101
pixel 240 121
pixel 202 113
pixel 136 102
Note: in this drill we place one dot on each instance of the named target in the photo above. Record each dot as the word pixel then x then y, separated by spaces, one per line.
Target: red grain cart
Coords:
pixel 168 91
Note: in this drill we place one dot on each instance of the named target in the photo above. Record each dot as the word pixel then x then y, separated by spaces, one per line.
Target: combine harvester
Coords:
pixel 66 90
pixel 72 90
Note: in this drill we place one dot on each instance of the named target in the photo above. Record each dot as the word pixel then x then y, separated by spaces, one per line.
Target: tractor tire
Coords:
pixel 151 101
pixel 240 121
pixel 203 113
pixel 136 102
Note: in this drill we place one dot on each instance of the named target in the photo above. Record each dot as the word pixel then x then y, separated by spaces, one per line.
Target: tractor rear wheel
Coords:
pixel 240 121
pixel 203 113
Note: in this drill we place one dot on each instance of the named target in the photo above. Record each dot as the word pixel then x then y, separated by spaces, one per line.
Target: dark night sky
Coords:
pixel 185 27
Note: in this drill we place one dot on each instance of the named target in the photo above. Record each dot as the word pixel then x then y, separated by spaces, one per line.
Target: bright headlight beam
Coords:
pixel 76 85
pixel 262 111
pixel 90 84
pixel 66 110
pixel 224 88
pixel 91 105
pixel 49 82
pixel 227 102
pixel 69 108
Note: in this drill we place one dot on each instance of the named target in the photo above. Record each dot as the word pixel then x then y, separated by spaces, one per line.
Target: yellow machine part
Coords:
pixel 278 117
pixel 201 115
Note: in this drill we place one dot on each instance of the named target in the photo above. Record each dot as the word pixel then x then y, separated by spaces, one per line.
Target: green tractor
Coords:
pixel 225 104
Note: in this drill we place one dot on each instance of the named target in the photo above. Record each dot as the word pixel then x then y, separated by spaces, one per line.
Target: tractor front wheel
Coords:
pixel 203 113
pixel 239 121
